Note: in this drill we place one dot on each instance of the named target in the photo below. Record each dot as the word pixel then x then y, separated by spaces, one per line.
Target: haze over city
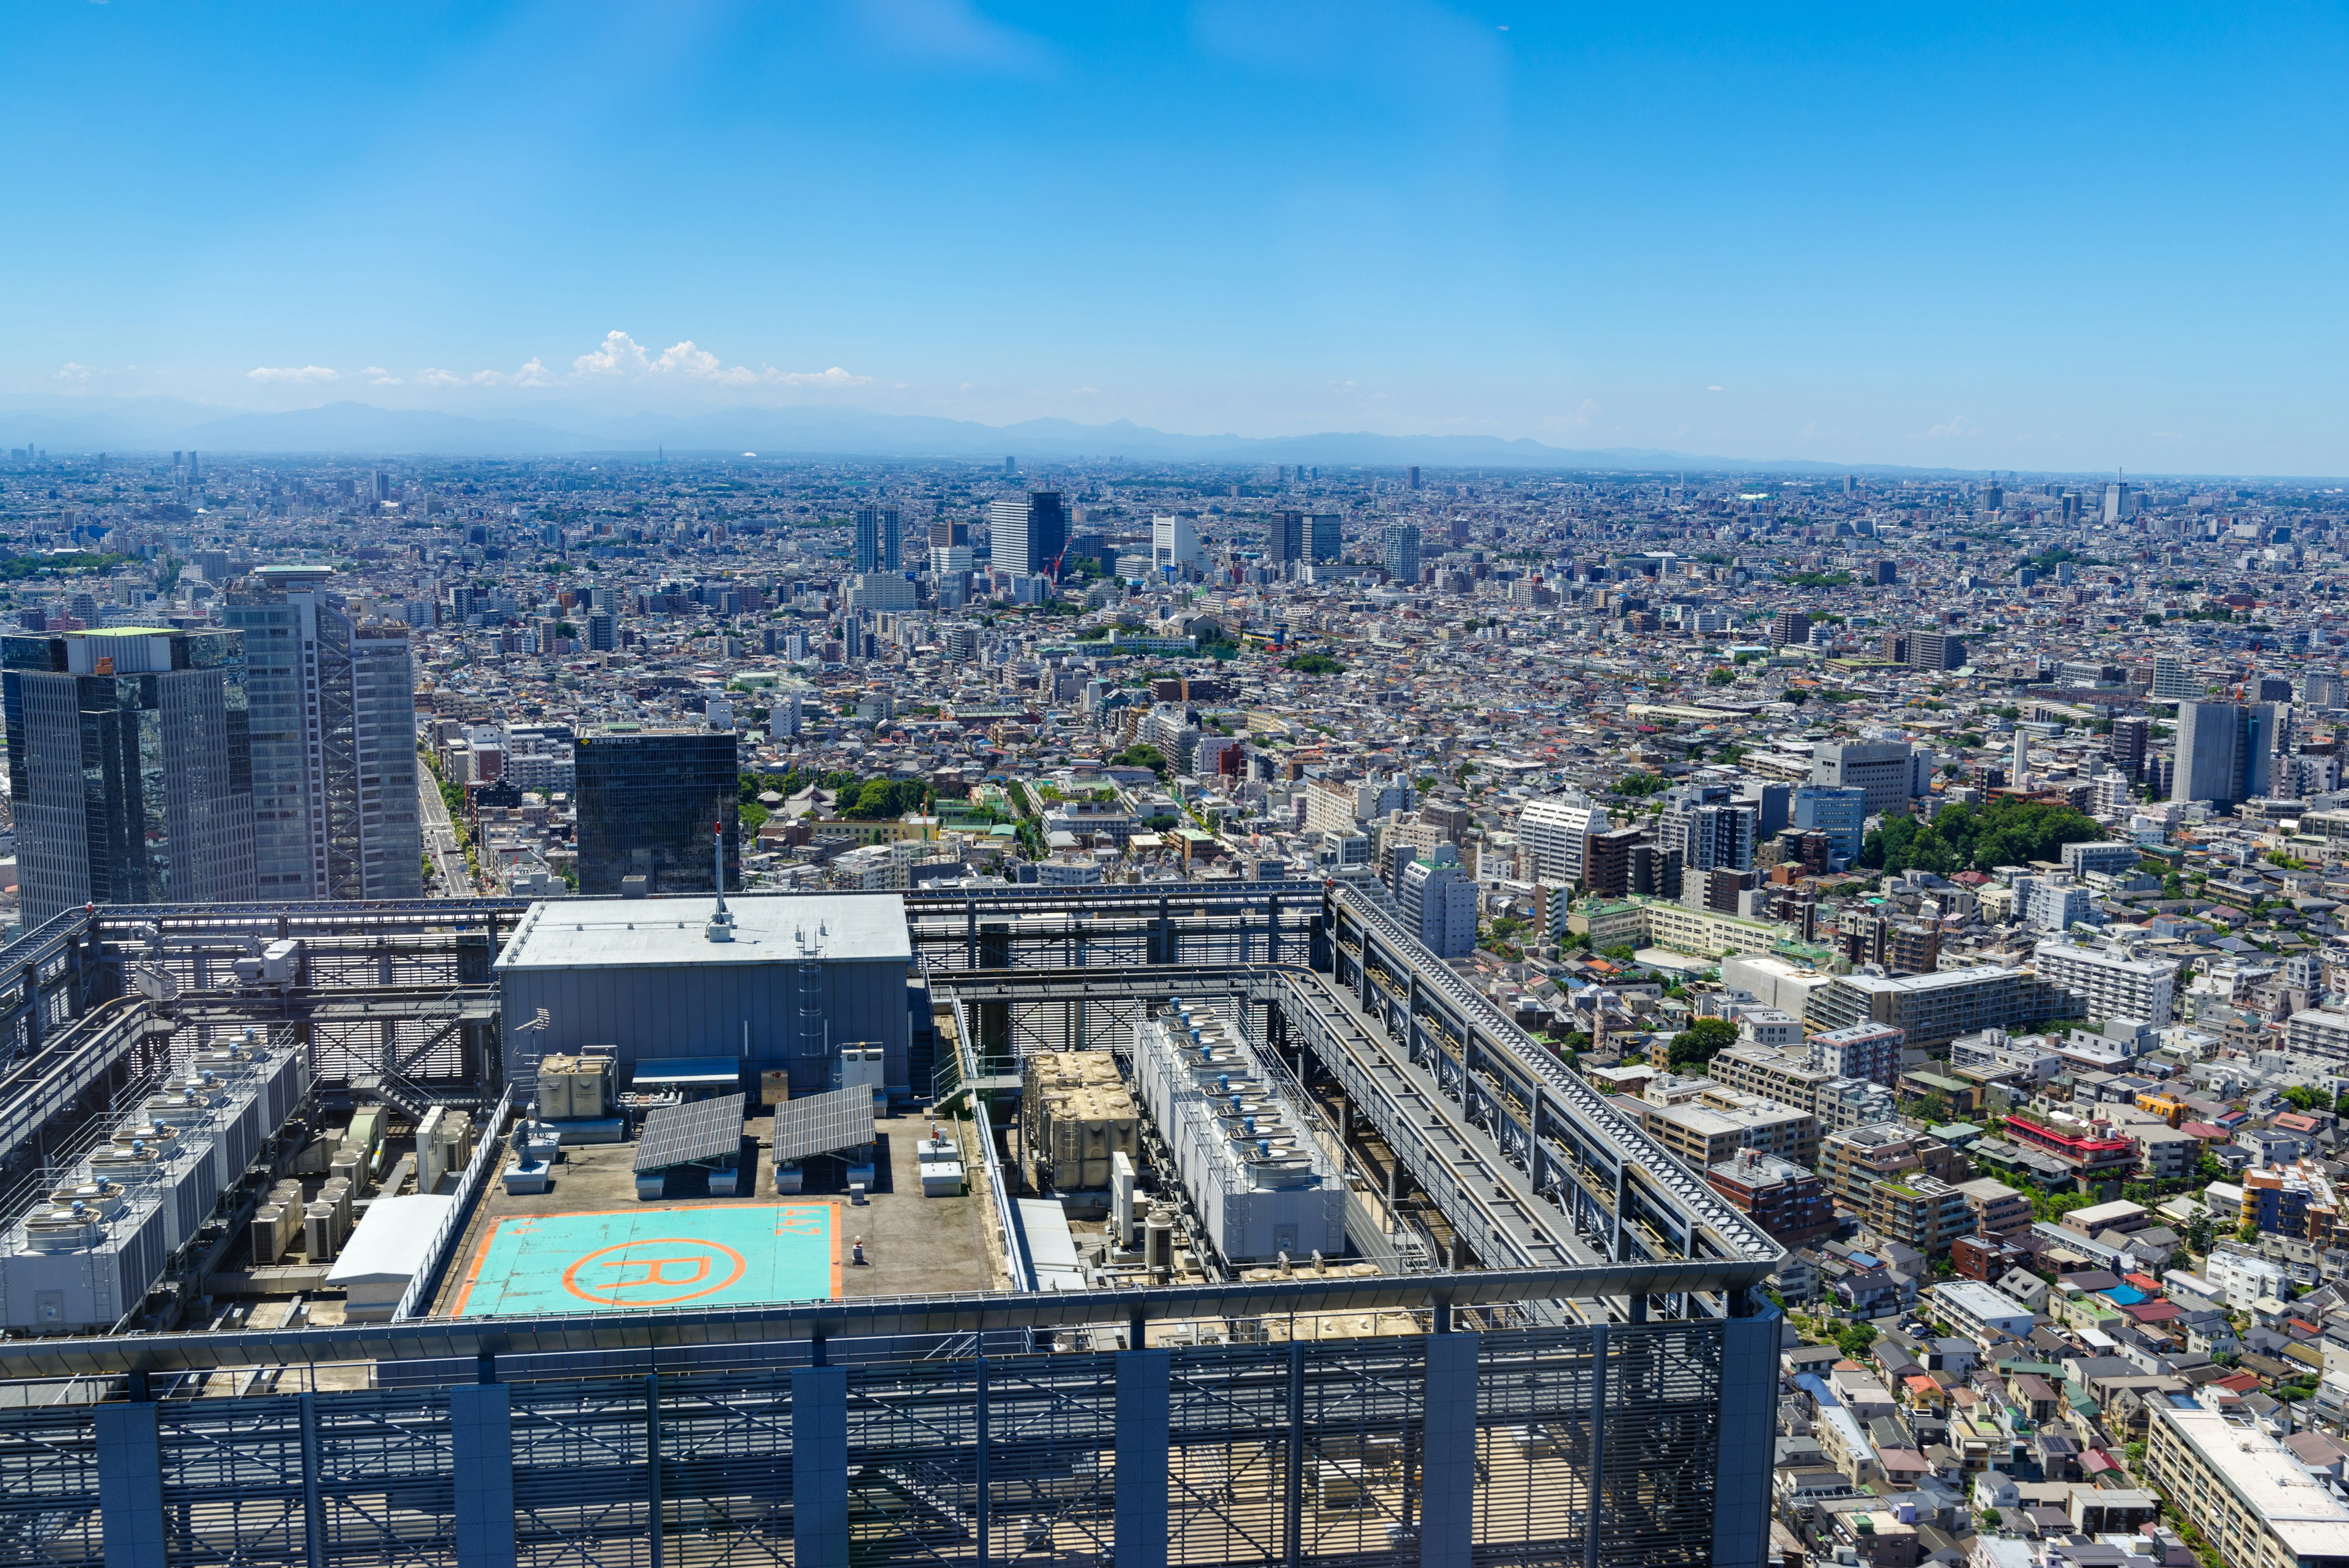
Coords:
pixel 2070 242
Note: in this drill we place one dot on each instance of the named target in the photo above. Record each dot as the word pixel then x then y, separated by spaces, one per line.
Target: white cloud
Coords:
pixel 621 356
pixel 1956 429
pixel 294 373
pixel 378 377
pixel 534 373
pixel 69 371
pixel 1579 419
pixel 1713 389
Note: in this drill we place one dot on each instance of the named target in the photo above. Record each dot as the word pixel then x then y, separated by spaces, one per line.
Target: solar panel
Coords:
pixel 680 1135
pixel 823 1124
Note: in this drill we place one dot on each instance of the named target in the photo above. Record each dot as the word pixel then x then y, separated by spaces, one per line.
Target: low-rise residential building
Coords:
pixel 2109 982
pixel 1982 1313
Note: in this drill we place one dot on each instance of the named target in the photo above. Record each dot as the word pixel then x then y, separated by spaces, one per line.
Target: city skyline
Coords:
pixel 2047 246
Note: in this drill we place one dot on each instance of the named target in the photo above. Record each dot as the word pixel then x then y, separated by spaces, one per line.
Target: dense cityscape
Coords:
pixel 1945 868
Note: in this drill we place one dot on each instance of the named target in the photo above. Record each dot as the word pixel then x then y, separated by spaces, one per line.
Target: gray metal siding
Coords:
pixel 654 1014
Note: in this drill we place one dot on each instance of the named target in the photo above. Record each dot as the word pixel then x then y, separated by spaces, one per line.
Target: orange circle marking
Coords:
pixel 697 1263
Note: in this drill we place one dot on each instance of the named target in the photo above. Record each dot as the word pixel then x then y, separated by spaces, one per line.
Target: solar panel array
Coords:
pixel 823 1124
pixel 681 1135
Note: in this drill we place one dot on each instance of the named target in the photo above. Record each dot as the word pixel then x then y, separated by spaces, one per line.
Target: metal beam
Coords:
pixel 471 1338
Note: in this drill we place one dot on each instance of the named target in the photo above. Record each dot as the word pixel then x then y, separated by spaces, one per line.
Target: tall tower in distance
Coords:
pixel 878 546
pixel 332 706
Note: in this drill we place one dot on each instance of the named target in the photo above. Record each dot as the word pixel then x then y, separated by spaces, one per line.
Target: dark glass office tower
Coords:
pixel 646 800
pixel 129 768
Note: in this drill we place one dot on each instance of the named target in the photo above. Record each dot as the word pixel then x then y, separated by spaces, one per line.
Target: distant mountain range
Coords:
pixel 63 425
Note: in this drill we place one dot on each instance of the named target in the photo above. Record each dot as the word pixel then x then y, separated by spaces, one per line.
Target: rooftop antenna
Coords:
pixel 721 924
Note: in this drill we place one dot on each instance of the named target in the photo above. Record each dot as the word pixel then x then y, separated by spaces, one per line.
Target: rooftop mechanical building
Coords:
pixel 1587 1372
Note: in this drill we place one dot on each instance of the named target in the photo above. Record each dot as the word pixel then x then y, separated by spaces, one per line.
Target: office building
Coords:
pixel 2119 502
pixel 1607 860
pixel 1891 772
pixel 878 542
pixel 1283 538
pixel 1327 539
pixel 1772 802
pixel 1399 543
pixel 603 632
pixel 333 723
pixel 1175 544
pixel 1558 833
pixel 1838 811
pixel 129 768
pixel 1028 535
pixel 648 800
pixel 2224 752
pixel 2321 689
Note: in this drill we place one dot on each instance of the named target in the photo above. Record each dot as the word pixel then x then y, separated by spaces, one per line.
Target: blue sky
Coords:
pixel 2028 237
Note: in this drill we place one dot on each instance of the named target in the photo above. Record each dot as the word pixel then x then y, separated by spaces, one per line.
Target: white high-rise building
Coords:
pixel 1174 542
pixel 1558 831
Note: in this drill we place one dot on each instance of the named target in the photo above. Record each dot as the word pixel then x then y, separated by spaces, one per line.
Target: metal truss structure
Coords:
pixel 1598 1391
pixel 1439 1430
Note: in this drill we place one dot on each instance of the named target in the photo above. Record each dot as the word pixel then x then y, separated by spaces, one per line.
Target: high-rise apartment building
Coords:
pixel 646 800
pixel 1400 544
pixel 1558 833
pixel 878 547
pixel 333 707
pixel 1439 902
pixel 1710 831
pixel 2131 732
pixel 1789 628
pixel 2172 681
pixel 1030 535
pixel 129 768
pixel 2224 751
pixel 1935 650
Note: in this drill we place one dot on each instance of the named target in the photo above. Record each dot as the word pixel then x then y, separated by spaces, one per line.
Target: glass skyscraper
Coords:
pixel 334 743
pixel 129 768
pixel 646 800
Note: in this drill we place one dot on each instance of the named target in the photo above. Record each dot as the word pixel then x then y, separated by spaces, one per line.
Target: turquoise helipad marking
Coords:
pixel 633 1259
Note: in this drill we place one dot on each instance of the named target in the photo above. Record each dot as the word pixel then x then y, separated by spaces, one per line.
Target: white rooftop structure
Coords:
pixel 391 1244
pixel 632 933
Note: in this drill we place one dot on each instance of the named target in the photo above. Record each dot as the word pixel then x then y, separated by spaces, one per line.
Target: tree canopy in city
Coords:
pixel 1977 838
